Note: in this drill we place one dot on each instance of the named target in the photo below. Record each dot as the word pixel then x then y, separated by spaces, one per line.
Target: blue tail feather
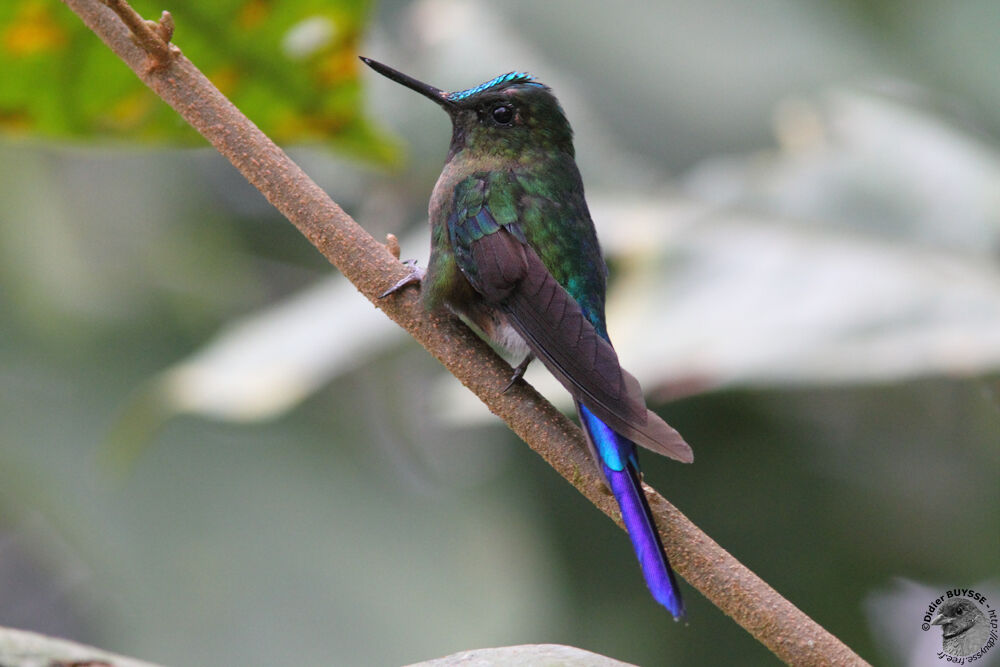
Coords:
pixel 617 460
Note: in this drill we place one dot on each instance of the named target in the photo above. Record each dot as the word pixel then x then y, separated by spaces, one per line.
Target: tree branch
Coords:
pixel 772 620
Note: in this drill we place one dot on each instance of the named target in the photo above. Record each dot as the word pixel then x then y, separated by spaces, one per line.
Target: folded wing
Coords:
pixel 511 276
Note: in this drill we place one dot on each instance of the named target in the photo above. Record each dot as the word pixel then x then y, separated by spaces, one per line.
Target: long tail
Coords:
pixel 616 457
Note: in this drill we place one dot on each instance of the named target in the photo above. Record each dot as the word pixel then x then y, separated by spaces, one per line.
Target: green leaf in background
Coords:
pixel 292 67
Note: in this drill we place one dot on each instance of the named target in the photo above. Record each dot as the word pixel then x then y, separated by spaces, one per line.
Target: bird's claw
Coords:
pixel 415 275
pixel 519 371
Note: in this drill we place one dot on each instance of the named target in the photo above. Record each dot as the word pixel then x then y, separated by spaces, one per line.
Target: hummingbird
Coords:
pixel 514 252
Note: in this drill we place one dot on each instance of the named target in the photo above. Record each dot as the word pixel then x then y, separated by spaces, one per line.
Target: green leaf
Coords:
pixel 292 67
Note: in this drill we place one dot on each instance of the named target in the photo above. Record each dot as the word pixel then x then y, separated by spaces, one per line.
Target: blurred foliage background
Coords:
pixel 213 451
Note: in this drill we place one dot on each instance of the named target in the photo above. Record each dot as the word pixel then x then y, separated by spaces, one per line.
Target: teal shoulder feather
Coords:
pixel 561 234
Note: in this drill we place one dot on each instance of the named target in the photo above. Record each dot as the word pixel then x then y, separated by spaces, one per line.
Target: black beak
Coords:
pixel 439 96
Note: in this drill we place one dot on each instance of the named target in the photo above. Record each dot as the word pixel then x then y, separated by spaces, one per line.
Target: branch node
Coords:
pixel 153 37
pixel 392 243
pixel 165 27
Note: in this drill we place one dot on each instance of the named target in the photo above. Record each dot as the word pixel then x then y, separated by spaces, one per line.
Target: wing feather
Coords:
pixel 511 277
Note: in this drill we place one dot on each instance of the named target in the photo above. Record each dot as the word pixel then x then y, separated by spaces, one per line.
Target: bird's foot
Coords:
pixel 519 371
pixel 415 276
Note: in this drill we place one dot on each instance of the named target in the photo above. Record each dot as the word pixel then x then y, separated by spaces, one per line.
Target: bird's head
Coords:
pixel 956 616
pixel 510 115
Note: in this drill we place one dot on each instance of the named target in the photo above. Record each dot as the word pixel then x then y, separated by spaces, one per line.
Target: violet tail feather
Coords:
pixel 616 456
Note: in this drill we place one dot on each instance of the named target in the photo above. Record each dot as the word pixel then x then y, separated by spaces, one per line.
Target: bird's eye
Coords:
pixel 502 114
pixel 959 611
